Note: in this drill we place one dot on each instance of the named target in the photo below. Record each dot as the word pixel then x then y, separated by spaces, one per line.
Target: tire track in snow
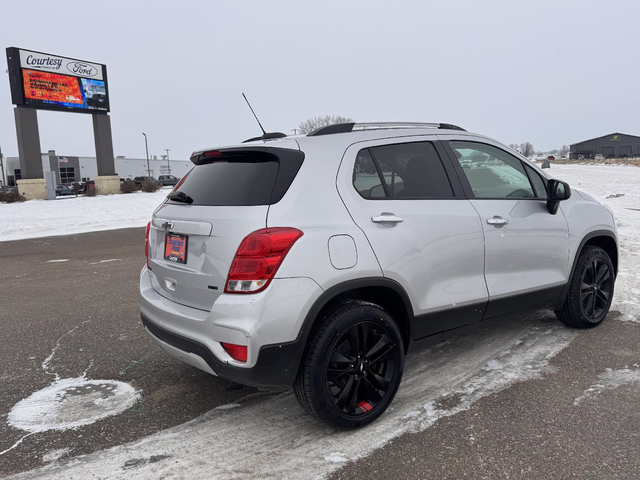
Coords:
pixel 269 436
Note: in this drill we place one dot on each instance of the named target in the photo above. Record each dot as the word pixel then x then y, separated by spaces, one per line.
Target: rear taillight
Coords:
pixel 258 258
pixel 146 244
pixel 237 352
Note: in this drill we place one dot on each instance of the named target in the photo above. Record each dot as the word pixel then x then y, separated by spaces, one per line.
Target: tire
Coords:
pixel 340 388
pixel 590 291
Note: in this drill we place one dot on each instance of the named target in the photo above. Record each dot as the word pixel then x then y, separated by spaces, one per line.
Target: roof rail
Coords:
pixel 350 127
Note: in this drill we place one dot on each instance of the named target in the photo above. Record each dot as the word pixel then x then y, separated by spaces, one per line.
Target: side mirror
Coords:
pixel 557 191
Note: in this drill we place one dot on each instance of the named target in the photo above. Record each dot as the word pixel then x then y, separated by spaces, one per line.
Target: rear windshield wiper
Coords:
pixel 180 197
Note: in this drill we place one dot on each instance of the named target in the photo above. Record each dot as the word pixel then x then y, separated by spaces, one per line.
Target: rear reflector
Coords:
pixel 237 352
pixel 258 258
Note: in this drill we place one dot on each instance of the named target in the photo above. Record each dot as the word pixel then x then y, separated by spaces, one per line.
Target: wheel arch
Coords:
pixel 607 243
pixel 604 239
pixel 386 293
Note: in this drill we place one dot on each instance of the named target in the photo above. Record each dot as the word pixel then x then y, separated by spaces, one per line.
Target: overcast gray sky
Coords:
pixel 548 72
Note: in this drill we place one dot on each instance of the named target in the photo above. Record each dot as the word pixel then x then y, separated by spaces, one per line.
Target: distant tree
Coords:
pixel 527 149
pixel 564 150
pixel 314 123
pixel 514 146
pixel 478 156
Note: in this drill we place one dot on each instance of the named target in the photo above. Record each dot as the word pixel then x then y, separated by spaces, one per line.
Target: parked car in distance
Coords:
pixel 140 180
pixel 8 189
pixel 83 186
pixel 250 277
pixel 599 156
pixel 168 180
pixel 62 190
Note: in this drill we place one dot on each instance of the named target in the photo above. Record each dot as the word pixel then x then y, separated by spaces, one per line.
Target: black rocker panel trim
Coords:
pixel 434 323
pixel 547 297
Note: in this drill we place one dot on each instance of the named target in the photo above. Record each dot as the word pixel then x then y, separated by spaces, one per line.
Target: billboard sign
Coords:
pixel 49 82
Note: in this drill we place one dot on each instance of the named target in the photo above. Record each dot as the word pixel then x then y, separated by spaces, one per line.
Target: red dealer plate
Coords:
pixel 175 248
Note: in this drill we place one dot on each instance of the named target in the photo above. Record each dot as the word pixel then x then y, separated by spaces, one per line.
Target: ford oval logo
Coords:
pixel 82 69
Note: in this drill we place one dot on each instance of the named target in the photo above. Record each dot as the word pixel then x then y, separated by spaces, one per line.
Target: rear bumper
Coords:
pixel 269 323
pixel 276 365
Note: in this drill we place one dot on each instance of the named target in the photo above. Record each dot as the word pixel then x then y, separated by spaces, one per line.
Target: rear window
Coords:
pixel 241 180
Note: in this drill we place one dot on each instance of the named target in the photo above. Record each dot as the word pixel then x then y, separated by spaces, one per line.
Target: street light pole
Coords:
pixel 168 164
pixel 4 182
pixel 146 146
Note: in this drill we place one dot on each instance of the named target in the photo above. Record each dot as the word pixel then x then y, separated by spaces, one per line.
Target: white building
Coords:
pixel 76 169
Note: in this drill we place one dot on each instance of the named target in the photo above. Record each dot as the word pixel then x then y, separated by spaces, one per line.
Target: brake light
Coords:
pixel 146 244
pixel 258 258
pixel 237 352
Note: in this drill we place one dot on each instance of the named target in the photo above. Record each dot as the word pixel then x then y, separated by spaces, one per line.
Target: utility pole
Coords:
pixel 4 181
pixel 295 131
pixel 146 146
pixel 168 164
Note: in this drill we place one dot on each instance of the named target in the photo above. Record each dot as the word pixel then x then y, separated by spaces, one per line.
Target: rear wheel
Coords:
pixel 353 366
pixel 591 290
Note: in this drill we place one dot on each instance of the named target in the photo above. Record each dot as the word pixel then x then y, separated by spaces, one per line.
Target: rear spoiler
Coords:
pixel 247 154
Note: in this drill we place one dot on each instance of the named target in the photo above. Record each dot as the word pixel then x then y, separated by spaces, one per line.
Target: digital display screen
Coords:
pixel 43 88
pixel 50 82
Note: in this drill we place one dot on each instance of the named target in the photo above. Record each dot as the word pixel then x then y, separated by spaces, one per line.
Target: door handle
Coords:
pixel 386 218
pixel 497 221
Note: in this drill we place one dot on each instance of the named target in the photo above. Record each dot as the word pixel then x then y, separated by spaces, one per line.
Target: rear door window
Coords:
pixel 401 171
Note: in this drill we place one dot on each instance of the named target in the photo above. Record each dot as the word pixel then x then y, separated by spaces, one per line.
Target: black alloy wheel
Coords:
pixel 352 366
pixel 596 288
pixel 361 367
pixel 590 290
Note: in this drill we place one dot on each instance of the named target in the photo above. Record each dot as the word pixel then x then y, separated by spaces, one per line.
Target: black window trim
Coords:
pixel 465 181
pixel 454 182
pixel 528 167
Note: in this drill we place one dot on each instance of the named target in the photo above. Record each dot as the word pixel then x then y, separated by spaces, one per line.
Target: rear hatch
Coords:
pixel 225 196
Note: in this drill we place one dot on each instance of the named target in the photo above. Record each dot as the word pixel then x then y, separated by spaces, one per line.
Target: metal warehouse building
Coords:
pixel 614 145
pixel 71 169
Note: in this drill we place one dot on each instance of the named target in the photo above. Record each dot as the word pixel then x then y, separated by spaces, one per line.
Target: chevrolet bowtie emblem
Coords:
pixel 168 225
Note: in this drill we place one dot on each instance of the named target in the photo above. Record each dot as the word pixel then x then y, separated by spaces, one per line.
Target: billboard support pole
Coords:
pixel 104 144
pixel 31 185
pixel 107 182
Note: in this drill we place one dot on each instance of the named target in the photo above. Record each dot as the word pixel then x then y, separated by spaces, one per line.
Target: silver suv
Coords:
pixel 320 261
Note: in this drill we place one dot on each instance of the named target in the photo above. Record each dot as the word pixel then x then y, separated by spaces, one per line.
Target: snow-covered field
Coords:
pixel 69 215
pixel 269 436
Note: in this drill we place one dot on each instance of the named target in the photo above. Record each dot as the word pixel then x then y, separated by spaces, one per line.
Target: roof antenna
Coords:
pixel 254 114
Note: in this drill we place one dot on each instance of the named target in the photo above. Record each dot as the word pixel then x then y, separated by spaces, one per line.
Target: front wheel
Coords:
pixel 590 291
pixel 353 366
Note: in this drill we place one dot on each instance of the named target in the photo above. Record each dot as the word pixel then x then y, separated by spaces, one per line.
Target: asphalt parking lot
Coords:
pixel 94 291
pixel 529 399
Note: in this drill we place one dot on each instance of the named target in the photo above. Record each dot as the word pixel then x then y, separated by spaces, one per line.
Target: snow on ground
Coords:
pixel 69 215
pixel 270 436
pixel 610 380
